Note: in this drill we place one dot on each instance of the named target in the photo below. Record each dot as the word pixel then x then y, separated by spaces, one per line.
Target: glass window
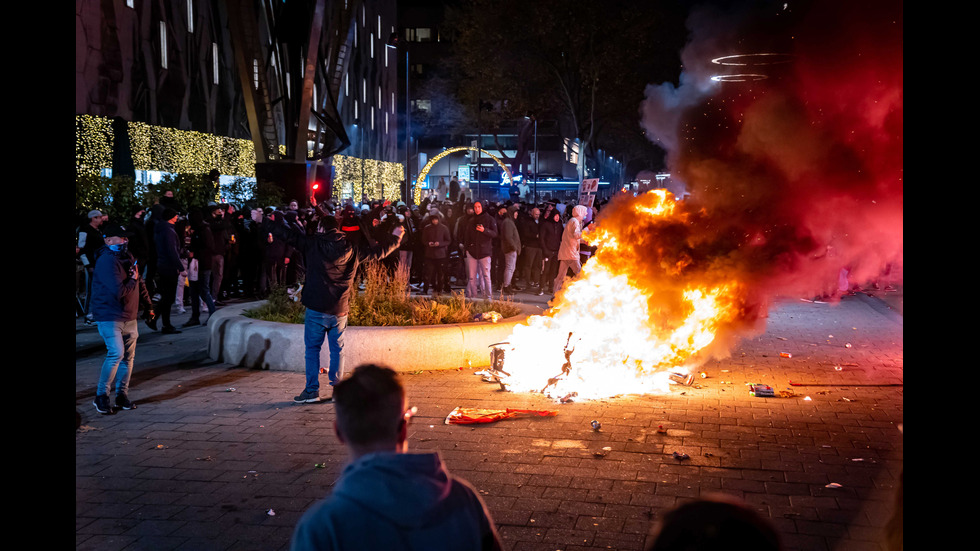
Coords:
pixel 214 61
pixel 163 44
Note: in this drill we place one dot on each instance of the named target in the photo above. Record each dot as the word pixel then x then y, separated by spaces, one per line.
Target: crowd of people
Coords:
pixel 198 258
pixel 164 259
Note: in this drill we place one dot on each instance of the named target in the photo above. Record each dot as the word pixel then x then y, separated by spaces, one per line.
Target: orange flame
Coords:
pixel 605 335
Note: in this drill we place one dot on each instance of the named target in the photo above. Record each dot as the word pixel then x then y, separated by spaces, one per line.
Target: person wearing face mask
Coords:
pixel 118 292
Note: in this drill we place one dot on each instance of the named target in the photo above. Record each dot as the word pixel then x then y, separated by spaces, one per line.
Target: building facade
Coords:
pixel 310 83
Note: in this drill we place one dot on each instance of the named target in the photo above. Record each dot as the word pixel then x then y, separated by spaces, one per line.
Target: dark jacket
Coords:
pixel 438 236
pixel 480 244
pixel 551 237
pixel 510 239
pixel 331 264
pixel 168 249
pixel 220 235
pixel 530 231
pixel 202 245
pixel 115 295
pixel 90 240
pixel 275 252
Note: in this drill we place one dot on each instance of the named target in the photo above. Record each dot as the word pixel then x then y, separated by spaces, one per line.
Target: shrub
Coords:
pixel 386 301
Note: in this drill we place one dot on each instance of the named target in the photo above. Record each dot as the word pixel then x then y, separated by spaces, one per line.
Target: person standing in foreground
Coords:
pixel 118 292
pixel 386 498
pixel 331 265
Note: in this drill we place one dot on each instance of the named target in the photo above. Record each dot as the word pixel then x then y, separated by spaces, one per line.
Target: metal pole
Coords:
pixel 408 127
pixel 535 161
pixel 479 146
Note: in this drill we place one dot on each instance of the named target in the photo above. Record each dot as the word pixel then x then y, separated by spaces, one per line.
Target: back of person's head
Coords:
pixel 714 523
pixel 370 406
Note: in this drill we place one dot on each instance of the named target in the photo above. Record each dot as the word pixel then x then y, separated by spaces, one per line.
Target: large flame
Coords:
pixel 608 333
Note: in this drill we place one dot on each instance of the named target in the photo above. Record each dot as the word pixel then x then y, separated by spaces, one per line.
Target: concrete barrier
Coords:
pixel 239 340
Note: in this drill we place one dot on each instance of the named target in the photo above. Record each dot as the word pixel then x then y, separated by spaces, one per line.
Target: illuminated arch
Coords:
pixel 425 171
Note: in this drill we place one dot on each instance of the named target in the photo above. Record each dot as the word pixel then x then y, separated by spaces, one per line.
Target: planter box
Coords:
pixel 238 340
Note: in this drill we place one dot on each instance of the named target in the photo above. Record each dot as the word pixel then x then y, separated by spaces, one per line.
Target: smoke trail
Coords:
pixel 797 174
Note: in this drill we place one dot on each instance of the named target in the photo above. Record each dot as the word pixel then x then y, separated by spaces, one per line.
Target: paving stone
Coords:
pixel 198 466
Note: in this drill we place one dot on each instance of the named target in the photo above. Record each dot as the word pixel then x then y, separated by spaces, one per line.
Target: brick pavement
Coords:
pixel 214 450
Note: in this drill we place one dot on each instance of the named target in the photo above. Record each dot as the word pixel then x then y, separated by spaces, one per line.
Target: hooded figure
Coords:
pixel 388 498
pixel 396 501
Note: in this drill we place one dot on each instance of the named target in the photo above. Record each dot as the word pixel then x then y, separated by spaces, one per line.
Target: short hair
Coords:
pixel 370 405
pixel 715 522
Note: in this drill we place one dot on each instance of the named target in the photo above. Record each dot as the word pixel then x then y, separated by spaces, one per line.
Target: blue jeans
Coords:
pixel 478 271
pixel 120 343
pixel 317 328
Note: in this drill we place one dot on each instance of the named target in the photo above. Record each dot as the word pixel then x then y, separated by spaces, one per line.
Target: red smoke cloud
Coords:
pixel 795 174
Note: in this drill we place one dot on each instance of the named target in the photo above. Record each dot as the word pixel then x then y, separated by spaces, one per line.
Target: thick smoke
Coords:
pixel 795 174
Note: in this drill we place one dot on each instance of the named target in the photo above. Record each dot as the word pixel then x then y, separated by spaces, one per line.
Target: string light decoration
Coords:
pixel 93 144
pixel 428 166
pixel 189 152
pixel 162 149
pixel 377 179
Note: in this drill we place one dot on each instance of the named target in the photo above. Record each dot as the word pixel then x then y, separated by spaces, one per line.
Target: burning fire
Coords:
pixel 605 335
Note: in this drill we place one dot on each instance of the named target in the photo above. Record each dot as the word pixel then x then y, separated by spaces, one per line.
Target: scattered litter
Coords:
pixel 838 368
pixel 488 316
pixel 296 294
pixel 704 375
pixel 682 379
pixel 786 394
pixel 724 371
pixel 782 338
pixel 681 456
pixel 465 416
pixel 661 430
pixel 319 465
pixel 785 355
pixel 568 397
pixel 160 446
pixel 858 459
pixel 848 345
pixel 761 390
pixel 596 425
pixel 807 399
pixel 271 513
pixel 833 485
pixel 230 389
